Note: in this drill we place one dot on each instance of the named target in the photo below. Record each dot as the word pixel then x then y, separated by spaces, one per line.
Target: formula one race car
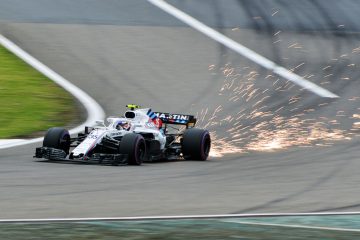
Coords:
pixel 141 135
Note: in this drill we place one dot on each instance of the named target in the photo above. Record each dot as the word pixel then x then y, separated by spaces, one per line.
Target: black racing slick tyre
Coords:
pixel 58 138
pixel 196 144
pixel 134 146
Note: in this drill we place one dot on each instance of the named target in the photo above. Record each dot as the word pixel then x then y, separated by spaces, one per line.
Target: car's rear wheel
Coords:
pixel 196 144
pixel 134 146
pixel 58 138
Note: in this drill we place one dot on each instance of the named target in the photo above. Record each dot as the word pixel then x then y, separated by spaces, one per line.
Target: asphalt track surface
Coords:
pixel 131 52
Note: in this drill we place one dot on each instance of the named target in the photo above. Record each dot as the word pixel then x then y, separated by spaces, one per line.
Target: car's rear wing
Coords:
pixel 178 119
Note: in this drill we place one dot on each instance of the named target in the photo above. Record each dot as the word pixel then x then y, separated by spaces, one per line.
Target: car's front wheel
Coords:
pixel 58 138
pixel 134 146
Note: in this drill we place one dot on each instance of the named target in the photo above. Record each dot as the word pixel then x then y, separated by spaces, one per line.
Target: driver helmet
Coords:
pixel 123 125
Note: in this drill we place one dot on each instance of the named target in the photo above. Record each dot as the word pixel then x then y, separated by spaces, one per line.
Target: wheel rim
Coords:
pixel 140 153
pixel 205 147
pixel 64 143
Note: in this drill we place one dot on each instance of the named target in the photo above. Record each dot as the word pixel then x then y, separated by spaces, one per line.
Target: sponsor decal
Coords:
pixel 157 122
pixel 113 134
pixel 150 125
pixel 174 117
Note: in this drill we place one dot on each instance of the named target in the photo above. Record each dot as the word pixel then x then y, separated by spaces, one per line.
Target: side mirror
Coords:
pixel 100 122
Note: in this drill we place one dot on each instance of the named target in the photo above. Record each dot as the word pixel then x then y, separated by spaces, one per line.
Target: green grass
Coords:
pixel 29 102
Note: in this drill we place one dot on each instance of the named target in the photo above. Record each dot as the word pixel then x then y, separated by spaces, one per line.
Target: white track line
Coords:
pixel 177 217
pixel 242 50
pixel 94 110
pixel 295 226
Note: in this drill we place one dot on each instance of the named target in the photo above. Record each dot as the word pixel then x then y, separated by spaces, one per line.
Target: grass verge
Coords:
pixel 30 102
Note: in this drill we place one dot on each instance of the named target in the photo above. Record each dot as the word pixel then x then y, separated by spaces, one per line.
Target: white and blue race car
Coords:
pixel 140 135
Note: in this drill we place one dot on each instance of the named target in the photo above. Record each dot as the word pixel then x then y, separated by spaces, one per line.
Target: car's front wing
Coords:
pixel 54 154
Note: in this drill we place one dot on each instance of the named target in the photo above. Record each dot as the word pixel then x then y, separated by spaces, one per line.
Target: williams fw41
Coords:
pixel 140 135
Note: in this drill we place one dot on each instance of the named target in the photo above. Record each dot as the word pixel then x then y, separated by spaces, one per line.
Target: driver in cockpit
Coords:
pixel 123 125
